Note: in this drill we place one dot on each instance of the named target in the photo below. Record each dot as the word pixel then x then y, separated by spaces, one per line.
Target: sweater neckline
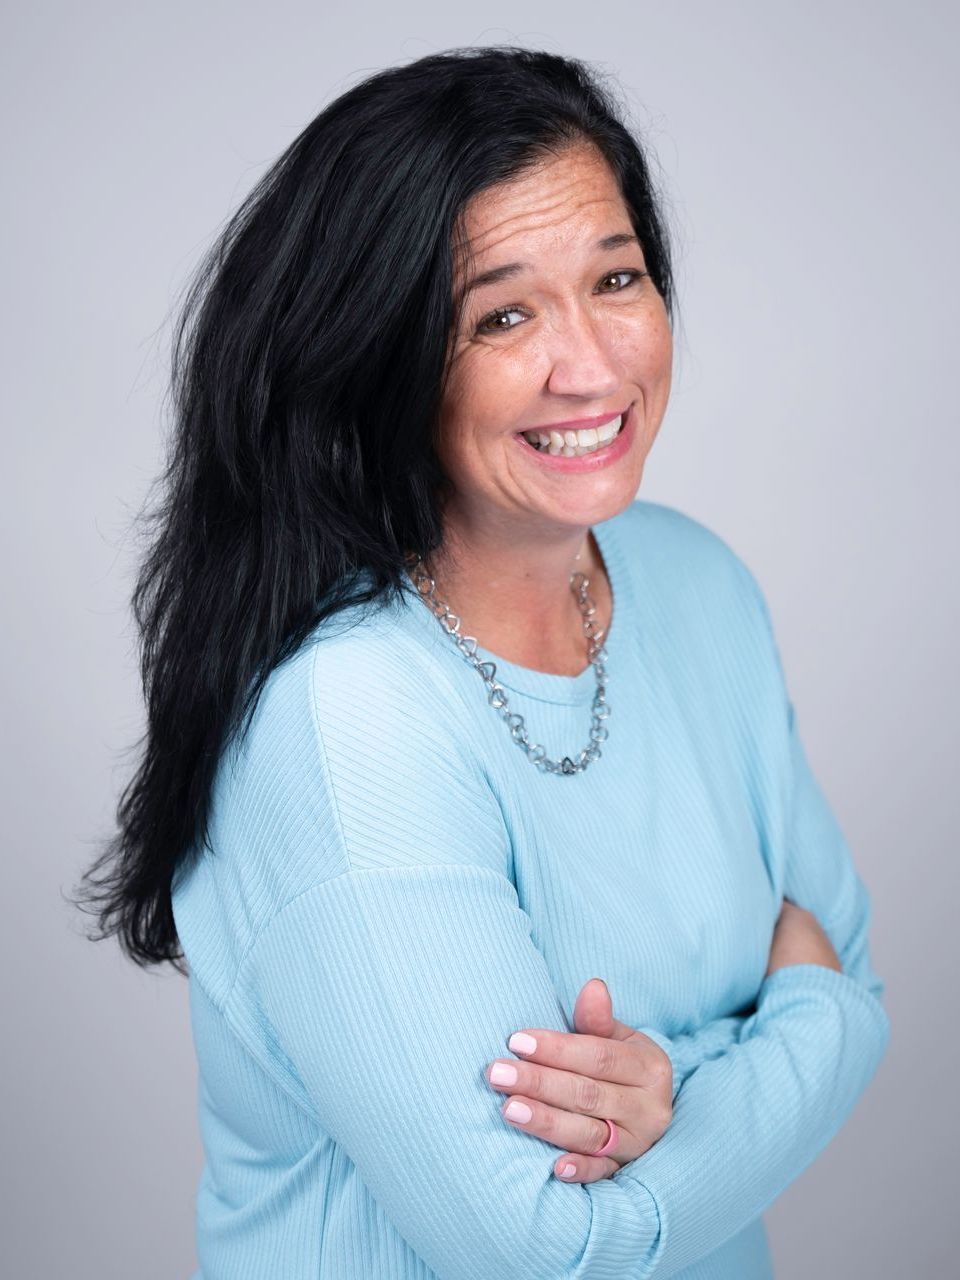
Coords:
pixel 547 686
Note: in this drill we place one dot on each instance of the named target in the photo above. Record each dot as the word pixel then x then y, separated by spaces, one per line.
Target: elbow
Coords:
pixel 610 1227
pixel 571 1231
pixel 873 1020
pixel 868 1037
pixel 874 989
pixel 883 1033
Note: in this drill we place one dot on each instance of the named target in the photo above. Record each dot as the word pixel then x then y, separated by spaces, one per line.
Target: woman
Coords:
pixel 449 733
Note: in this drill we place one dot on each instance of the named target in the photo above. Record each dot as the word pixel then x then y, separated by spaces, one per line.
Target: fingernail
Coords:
pixel 567 1171
pixel 520 1042
pixel 503 1073
pixel 517 1111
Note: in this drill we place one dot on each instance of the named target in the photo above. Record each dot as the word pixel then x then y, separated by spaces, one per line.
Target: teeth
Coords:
pixel 573 444
pixel 610 429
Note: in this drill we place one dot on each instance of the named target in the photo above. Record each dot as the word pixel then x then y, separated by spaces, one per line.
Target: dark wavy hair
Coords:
pixel 308 369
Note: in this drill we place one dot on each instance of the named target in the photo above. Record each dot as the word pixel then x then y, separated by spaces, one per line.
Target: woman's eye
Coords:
pixel 495 316
pixel 611 275
pixel 492 323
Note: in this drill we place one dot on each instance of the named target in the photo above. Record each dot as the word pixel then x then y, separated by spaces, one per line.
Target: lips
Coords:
pixel 593 459
pixel 573 443
pixel 578 424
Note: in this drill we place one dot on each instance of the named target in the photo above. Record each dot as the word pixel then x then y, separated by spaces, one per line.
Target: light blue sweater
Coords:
pixel 395 889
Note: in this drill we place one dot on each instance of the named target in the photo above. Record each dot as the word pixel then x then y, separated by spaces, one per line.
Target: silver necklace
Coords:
pixel 496 695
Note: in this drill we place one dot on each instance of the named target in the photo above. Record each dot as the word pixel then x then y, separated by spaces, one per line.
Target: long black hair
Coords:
pixel 308 368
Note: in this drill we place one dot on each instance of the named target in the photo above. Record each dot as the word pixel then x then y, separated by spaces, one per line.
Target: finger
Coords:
pixel 575 1167
pixel 638 1062
pixel 566 1090
pixel 560 1128
pixel 593 1013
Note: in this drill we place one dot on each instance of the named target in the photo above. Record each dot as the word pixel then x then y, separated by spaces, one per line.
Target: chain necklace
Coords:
pixel 496 695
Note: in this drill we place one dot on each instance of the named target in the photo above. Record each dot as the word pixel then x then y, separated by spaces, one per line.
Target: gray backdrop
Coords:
pixel 809 153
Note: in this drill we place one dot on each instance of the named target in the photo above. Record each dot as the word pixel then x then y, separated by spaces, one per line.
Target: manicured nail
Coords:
pixel 520 1042
pixel 503 1073
pixel 567 1171
pixel 518 1111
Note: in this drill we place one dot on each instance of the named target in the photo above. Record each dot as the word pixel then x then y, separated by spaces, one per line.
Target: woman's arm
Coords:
pixel 761 1110
pixel 389 991
pixel 382 994
pixel 841 898
pixel 800 945
pixel 688 1050
pixel 826 882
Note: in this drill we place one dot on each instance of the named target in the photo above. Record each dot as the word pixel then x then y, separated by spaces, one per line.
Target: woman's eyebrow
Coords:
pixel 511 269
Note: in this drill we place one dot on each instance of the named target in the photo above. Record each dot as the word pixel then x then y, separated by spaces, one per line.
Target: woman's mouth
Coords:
pixel 584 449
pixel 574 444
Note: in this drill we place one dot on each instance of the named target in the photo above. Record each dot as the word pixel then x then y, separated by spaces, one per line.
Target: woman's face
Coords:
pixel 580 333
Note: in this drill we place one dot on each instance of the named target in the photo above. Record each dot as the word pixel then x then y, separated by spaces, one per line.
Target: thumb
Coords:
pixel 593 1012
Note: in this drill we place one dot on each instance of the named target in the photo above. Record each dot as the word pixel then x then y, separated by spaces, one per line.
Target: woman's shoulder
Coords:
pixel 358 699
pixel 670 538
pixel 692 568
pixel 353 760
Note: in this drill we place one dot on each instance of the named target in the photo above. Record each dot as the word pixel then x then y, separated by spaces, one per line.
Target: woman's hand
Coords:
pixel 799 939
pixel 571 1081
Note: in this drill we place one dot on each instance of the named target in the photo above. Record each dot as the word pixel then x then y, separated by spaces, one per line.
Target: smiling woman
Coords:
pixel 588 331
pixel 416 384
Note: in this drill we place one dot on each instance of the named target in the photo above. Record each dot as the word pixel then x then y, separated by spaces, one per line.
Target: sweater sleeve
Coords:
pixel 819 874
pixel 750 1118
pixel 687 1050
pixel 390 991
pixel 379 989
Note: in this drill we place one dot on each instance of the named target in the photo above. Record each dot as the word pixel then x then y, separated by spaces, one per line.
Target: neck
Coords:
pixel 515 596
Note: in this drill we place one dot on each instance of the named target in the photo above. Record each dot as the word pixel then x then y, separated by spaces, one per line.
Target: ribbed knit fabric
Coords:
pixel 394 890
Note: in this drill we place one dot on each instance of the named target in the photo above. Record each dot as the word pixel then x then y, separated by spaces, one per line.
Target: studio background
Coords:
pixel 808 156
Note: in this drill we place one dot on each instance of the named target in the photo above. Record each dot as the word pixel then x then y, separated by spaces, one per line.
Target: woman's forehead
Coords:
pixel 554 206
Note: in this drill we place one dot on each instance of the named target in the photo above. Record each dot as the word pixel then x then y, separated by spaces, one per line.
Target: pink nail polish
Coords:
pixel 503 1073
pixel 518 1111
pixel 520 1042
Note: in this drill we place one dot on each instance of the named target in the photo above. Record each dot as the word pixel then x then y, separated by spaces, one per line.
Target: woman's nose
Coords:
pixel 584 361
